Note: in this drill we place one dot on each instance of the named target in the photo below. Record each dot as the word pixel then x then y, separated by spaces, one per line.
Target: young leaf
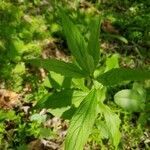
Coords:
pixel 82 122
pixel 76 44
pixel 93 43
pixel 118 75
pixel 130 100
pixel 113 123
pixel 66 69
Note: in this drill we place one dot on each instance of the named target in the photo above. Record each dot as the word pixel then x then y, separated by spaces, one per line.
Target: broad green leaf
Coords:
pixel 101 93
pixel 67 82
pixel 113 123
pixel 58 112
pixel 57 103
pixel 82 123
pixel 93 43
pixel 65 113
pixel 57 81
pixel 53 80
pixel 130 100
pixel 78 96
pixel 61 103
pixel 79 84
pixel 100 70
pixel 112 62
pixel 66 69
pixel 62 99
pixel 118 75
pixel 56 100
pixel 77 44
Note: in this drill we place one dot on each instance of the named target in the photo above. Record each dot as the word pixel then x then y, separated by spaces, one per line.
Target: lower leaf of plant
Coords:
pixel 82 123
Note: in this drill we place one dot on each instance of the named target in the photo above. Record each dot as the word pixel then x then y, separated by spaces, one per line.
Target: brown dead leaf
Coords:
pixel 52 145
pixel 9 99
pixel 54 49
pixel 108 27
pixel 27 87
pixel 36 145
pixel 44 144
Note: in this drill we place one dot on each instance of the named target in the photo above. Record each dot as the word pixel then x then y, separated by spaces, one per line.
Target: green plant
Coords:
pixel 20 38
pixel 81 88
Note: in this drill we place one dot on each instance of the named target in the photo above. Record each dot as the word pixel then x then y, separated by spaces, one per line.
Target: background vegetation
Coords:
pixel 33 29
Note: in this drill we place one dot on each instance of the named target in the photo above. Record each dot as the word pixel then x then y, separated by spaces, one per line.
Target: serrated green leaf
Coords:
pixel 63 68
pixel 82 123
pixel 93 43
pixel 118 75
pixel 77 44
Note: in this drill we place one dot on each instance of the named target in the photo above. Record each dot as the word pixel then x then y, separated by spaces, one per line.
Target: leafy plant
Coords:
pixel 131 99
pixel 84 110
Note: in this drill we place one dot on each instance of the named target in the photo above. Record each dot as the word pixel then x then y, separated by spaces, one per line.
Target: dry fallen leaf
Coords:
pixel 108 27
pixel 9 99
pixel 36 145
